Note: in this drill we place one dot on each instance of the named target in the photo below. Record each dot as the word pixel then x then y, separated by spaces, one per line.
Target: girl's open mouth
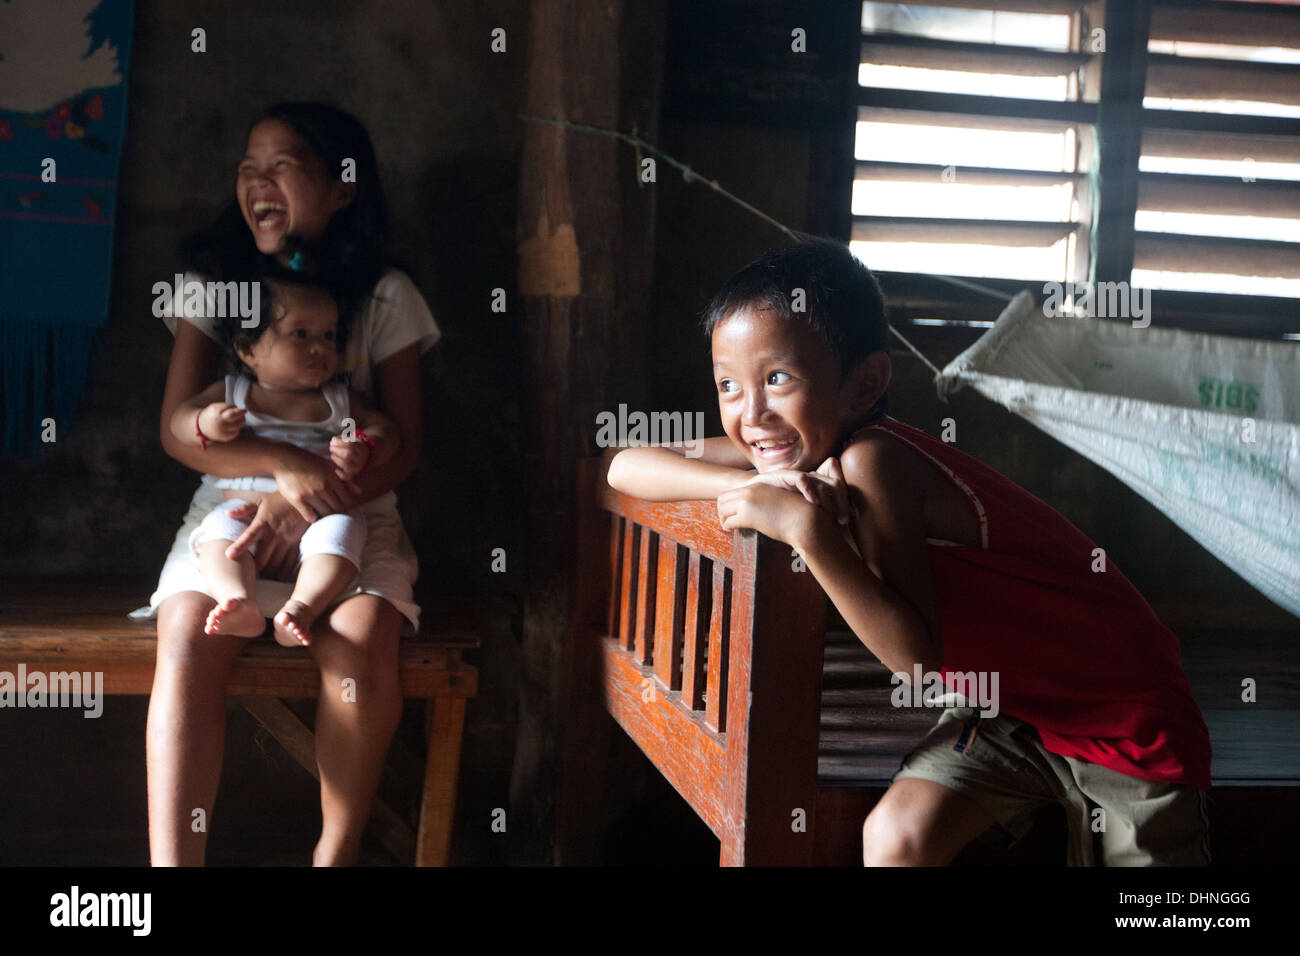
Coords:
pixel 269 215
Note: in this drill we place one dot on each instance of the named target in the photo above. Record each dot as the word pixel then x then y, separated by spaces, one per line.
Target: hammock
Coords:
pixel 1205 427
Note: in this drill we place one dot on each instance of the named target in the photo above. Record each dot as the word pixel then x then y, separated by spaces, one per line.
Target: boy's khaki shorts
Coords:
pixel 1000 763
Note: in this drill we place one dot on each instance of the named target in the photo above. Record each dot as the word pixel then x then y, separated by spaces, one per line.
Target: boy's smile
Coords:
pixel 779 390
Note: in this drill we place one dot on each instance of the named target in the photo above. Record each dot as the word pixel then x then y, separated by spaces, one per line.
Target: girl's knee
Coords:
pixel 182 644
pixel 183 615
pixel 361 637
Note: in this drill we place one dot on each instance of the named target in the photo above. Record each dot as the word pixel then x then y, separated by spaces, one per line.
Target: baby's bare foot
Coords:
pixel 236 617
pixel 293 624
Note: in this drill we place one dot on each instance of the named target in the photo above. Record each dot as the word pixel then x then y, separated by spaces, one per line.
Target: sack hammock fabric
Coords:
pixel 1205 427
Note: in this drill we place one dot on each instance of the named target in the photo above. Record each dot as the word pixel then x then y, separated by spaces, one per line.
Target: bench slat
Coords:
pixel 81 624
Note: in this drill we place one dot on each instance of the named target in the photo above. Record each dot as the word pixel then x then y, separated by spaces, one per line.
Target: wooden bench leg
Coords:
pixel 446 725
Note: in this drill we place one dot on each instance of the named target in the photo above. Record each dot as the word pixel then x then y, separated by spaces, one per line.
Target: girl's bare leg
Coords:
pixel 232 582
pixel 321 578
pixel 186 732
pixel 359 709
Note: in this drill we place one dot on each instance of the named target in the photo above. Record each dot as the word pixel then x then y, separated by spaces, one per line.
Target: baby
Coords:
pixel 284 392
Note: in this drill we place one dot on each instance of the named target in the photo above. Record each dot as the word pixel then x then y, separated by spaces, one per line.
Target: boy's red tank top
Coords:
pixel 1080 655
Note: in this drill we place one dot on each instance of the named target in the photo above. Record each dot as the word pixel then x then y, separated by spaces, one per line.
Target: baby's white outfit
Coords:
pixel 395 317
pixel 339 534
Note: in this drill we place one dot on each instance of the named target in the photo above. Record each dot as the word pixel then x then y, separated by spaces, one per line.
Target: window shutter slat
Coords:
pixel 896 49
pixel 1182 77
pixel 972 175
pixel 1240 24
pixel 1231 148
pixel 1062 115
pixel 1167 252
pixel 1061 7
pixel 1219 196
pixel 994 232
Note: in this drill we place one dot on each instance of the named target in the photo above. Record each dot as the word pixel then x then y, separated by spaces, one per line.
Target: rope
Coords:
pixel 915 350
pixel 691 176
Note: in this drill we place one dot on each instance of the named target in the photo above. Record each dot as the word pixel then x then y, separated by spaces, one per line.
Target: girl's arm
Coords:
pixel 665 473
pixel 399 397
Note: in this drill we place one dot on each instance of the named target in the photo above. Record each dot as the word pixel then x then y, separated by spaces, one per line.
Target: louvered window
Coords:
pixel 1033 140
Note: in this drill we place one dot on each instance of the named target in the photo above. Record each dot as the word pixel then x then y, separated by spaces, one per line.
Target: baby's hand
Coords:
pixel 221 421
pixel 349 457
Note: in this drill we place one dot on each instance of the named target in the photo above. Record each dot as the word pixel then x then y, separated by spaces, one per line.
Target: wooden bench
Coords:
pixel 710 650
pixel 81 624
pixel 713 654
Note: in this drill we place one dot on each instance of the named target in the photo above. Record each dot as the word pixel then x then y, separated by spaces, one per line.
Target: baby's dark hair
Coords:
pixel 234 334
pixel 842 301
pixel 354 246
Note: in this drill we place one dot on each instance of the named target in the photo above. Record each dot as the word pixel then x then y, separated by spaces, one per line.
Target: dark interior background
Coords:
pixel 441 108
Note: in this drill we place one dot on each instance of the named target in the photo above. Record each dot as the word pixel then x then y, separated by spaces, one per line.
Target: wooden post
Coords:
pixel 769 806
pixel 584 268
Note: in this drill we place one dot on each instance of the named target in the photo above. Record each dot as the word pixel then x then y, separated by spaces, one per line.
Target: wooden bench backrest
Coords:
pixel 713 660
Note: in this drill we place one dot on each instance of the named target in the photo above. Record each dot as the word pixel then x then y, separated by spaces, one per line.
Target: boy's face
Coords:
pixel 779 390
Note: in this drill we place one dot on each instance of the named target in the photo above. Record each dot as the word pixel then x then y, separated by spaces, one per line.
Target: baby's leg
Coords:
pixel 231 582
pixel 321 578
pixel 331 549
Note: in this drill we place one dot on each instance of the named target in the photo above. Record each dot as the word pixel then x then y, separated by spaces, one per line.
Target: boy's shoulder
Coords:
pixel 875 455
pixel 885 470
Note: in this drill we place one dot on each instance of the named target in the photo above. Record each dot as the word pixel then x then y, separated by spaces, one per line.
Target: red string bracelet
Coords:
pixel 203 439
pixel 371 443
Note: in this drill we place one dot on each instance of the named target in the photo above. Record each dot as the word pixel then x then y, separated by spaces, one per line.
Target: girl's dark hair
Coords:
pixel 233 332
pixel 354 247
pixel 841 300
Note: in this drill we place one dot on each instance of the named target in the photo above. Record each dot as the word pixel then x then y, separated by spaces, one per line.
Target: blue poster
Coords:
pixel 63 73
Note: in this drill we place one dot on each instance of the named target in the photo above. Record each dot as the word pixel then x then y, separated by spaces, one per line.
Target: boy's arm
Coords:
pixel 665 473
pixel 886 595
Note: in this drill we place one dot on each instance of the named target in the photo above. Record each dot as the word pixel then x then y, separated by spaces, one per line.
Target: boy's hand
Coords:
pixel 771 510
pixel 349 457
pixel 221 421
pixel 824 487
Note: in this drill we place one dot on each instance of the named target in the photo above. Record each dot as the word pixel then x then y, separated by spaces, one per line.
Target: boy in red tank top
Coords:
pixel 1060 683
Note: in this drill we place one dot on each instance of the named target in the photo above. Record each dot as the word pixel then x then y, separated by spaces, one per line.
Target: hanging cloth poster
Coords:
pixel 63 71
